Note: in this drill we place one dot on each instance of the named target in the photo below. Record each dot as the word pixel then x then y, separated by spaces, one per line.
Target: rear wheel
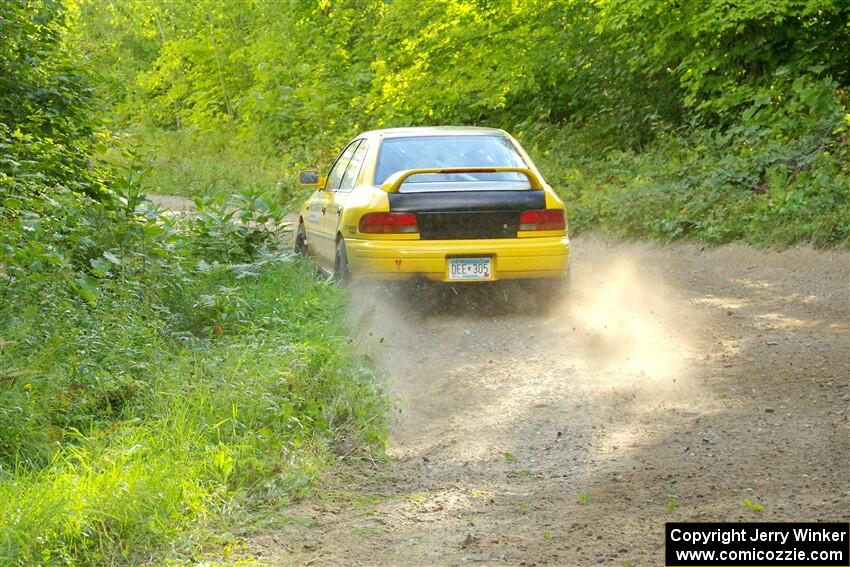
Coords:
pixel 341 272
pixel 301 240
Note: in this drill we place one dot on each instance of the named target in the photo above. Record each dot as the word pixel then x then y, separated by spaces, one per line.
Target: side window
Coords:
pixel 335 175
pixel 350 177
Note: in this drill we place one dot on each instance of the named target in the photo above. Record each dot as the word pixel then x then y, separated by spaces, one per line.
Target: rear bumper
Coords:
pixel 512 258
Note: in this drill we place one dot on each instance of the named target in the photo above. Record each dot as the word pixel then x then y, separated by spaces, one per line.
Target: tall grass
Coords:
pixel 216 381
pixel 191 162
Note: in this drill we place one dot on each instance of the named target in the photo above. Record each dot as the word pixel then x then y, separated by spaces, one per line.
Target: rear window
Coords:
pixel 425 152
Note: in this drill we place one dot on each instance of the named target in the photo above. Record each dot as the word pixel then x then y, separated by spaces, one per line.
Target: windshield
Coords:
pixel 425 152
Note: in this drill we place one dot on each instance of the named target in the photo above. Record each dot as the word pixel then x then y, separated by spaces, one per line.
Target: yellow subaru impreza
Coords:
pixel 450 204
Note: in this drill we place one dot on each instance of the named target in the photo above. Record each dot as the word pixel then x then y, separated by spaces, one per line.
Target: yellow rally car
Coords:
pixel 450 204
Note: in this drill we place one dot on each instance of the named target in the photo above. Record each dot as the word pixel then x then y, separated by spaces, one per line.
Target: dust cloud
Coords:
pixel 622 325
pixel 614 325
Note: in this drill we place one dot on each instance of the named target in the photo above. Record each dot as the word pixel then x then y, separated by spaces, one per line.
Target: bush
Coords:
pixel 158 372
pixel 778 177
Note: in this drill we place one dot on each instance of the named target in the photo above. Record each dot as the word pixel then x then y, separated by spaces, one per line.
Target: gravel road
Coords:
pixel 671 383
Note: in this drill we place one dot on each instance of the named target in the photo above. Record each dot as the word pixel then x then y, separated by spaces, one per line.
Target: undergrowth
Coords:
pixel 189 162
pixel 158 373
pixel 779 177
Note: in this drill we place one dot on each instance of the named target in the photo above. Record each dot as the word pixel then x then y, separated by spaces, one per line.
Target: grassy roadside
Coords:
pixel 195 372
pixel 774 179
pixel 188 162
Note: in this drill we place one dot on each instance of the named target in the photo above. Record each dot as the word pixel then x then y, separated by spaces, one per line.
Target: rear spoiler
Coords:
pixel 394 181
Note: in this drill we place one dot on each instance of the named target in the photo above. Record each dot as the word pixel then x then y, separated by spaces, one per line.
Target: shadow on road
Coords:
pixel 668 384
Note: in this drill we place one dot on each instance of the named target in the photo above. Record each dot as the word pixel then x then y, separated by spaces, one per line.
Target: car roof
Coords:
pixel 434 131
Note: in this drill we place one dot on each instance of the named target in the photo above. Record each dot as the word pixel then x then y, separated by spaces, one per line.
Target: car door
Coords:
pixel 346 187
pixel 313 222
pixel 324 227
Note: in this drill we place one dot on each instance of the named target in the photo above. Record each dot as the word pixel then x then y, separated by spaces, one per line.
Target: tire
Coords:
pixel 342 274
pixel 301 241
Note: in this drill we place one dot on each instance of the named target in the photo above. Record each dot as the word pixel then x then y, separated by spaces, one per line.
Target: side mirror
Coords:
pixel 310 179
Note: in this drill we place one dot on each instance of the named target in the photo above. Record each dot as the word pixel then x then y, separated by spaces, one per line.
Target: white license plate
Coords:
pixel 470 269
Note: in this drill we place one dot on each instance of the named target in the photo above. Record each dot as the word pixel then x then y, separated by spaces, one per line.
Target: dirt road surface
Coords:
pixel 671 383
pixel 172 202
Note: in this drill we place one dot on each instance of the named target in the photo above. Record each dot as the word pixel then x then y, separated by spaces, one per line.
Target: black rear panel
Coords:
pixel 484 224
pixel 464 215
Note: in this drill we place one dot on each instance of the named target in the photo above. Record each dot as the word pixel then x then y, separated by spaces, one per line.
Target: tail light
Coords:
pixel 546 219
pixel 389 223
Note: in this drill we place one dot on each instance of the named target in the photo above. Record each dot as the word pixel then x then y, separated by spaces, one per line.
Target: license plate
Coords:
pixel 470 269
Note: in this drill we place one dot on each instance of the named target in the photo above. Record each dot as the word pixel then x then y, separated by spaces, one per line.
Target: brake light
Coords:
pixel 389 223
pixel 547 219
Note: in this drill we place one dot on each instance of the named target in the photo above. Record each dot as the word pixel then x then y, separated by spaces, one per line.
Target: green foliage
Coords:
pixel 47 130
pixel 754 182
pixel 166 373
pixel 158 373
pixel 190 162
pixel 725 55
pixel 327 70
pixel 749 505
pixel 234 228
pixel 701 120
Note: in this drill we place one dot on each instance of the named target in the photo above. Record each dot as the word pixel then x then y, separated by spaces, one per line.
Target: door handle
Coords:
pixel 339 211
pixel 323 209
